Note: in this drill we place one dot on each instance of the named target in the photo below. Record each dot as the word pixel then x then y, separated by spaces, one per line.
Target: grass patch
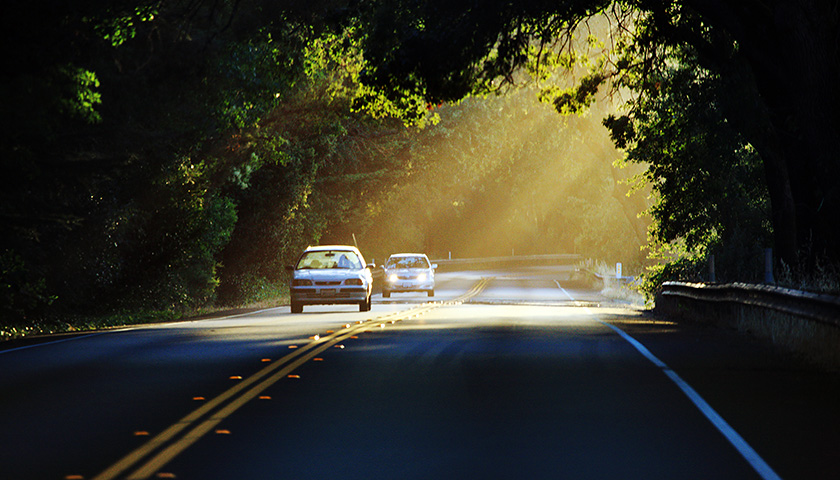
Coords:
pixel 613 288
pixel 268 298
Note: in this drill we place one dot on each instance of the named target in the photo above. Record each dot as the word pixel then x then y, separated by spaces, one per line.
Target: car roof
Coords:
pixel 315 248
pixel 408 255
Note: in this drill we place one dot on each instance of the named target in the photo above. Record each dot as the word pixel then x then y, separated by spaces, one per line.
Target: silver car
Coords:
pixel 331 274
pixel 409 272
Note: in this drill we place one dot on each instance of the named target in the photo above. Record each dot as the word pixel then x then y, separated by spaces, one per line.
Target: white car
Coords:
pixel 409 272
pixel 331 274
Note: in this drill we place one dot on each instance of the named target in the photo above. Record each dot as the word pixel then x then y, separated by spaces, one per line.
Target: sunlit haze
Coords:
pixel 509 175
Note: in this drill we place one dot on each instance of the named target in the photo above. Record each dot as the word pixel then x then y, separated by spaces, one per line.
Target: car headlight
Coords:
pixel 301 282
pixel 353 281
pixel 421 277
pixel 392 278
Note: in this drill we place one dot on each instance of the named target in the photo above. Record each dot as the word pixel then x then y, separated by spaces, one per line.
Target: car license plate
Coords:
pixel 406 285
pixel 328 291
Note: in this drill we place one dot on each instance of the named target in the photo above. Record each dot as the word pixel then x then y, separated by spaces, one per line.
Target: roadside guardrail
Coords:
pixel 445 265
pixel 813 306
pixel 488 263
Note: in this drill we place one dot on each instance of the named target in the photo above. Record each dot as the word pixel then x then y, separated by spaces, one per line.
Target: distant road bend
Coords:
pixel 513 373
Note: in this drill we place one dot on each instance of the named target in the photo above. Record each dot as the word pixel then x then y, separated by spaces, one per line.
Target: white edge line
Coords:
pixel 128 328
pixel 563 290
pixel 26 347
pixel 153 325
pixel 750 455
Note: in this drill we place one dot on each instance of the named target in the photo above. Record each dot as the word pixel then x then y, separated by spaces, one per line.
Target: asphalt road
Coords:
pixel 505 375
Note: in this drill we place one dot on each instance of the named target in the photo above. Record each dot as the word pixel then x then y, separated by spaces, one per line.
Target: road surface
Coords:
pixel 505 374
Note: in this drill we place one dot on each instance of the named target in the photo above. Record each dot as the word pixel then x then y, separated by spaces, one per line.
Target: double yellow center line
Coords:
pixel 186 431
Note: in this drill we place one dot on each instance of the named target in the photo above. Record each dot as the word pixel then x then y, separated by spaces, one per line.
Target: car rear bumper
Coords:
pixel 409 286
pixel 328 296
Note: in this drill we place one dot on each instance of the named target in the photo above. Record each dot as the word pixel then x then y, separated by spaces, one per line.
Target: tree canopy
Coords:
pixel 163 156
pixel 166 155
pixel 777 61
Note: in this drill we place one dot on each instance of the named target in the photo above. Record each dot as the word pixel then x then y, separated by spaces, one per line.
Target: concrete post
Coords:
pixel 712 278
pixel 768 266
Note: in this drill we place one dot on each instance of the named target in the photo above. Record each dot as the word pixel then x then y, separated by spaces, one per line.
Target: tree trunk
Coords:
pixel 790 48
pixel 813 152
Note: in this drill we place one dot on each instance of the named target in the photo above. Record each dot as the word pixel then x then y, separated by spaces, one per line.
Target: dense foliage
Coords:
pixel 712 203
pixel 168 155
pixel 781 112
pixel 118 120
pixel 164 156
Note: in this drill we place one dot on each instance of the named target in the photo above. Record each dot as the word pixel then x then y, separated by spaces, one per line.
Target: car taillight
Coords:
pixel 353 281
pixel 298 282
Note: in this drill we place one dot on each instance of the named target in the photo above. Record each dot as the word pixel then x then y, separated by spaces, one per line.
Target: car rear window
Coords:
pixel 407 262
pixel 319 259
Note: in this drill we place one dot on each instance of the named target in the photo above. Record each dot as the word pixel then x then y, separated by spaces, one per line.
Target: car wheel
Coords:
pixel 386 294
pixel 431 293
pixel 365 306
pixel 297 307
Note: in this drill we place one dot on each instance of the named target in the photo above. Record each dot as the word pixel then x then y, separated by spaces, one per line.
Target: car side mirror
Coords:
pixel 434 266
pixel 371 266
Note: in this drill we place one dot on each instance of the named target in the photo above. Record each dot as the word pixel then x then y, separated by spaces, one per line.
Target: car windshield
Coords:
pixel 407 262
pixel 319 259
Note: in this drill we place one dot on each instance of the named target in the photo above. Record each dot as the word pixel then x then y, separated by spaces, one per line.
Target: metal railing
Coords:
pixel 511 261
pixel 482 263
pixel 818 307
